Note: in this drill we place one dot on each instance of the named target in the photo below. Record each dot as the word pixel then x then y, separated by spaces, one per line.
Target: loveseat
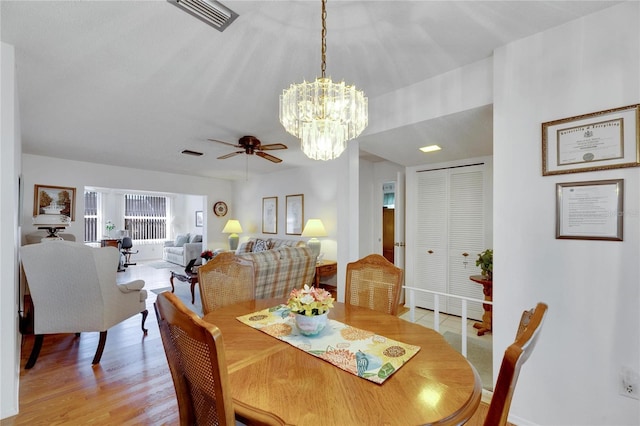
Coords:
pixel 182 249
pixel 279 270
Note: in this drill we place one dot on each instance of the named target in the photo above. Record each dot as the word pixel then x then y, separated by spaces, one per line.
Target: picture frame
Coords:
pixel 270 215
pixel 600 140
pixel 590 210
pixel 295 214
pixel 49 199
pixel 199 218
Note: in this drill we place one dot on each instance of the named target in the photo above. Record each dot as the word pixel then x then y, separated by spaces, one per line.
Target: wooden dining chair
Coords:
pixel 514 356
pixel 224 280
pixel 195 353
pixel 375 283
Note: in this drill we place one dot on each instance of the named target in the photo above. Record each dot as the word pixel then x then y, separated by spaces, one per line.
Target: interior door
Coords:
pixel 388 234
pixel 466 237
pixel 430 254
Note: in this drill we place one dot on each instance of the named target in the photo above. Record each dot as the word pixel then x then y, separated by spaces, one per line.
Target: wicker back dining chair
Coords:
pixel 375 283
pixel 514 356
pixel 224 280
pixel 195 353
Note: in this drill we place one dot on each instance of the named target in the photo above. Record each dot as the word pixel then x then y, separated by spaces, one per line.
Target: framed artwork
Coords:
pixel 270 215
pixel 598 141
pixel 590 210
pixel 199 218
pixel 58 200
pixel 295 214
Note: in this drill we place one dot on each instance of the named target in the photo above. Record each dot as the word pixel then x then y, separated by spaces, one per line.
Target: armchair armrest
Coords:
pixel 168 244
pixel 136 285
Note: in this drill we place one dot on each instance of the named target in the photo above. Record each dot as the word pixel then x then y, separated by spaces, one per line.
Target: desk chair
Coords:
pixel 195 353
pixel 515 355
pixel 125 249
pixel 375 283
pixel 224 280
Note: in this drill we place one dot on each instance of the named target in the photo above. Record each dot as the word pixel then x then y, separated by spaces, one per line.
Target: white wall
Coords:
pixel 10 148
pixel 77 174
pixel 591 287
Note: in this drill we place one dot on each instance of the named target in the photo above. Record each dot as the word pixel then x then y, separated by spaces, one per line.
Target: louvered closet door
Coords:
pixel 466 236
pixel 450 222
pixel 430 264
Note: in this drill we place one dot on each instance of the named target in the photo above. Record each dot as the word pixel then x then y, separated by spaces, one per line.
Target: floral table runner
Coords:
pixel 360 352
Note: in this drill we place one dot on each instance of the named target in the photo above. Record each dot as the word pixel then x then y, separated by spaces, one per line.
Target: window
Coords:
pixel 145 216
pixel 91 216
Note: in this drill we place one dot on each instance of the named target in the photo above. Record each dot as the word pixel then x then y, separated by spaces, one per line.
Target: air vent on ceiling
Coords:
pixel 194 153
pixel 209 11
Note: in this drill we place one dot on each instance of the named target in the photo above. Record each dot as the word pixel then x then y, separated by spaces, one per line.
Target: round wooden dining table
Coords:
pixel 272 382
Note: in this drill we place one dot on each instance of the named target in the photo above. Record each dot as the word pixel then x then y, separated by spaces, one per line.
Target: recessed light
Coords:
pixel 430 148
pixel 194 153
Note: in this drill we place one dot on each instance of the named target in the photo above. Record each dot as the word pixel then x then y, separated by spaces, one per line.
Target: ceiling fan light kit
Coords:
pixel 324 114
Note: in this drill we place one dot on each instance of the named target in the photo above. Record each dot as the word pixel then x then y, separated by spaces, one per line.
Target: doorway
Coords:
pixel 388 220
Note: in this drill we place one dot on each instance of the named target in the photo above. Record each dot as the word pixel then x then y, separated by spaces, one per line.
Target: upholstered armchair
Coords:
pixel 74 290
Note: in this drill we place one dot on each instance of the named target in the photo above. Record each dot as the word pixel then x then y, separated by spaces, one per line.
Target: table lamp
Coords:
pixel 314 228
pixel 232 227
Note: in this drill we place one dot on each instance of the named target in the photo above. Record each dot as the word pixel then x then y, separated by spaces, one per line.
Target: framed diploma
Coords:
pixel 590 210
pixel 598 141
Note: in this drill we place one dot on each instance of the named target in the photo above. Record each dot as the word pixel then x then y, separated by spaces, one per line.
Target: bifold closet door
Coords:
pixel 450 228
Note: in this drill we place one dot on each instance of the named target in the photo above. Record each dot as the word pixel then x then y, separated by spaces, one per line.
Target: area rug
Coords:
pixel 161 264
pixel 182 290
pixel 479 353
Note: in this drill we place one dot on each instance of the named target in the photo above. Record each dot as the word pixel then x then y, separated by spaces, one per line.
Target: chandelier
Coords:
pixel 323 114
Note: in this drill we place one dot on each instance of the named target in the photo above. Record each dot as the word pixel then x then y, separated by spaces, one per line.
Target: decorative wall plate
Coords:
pixel 220 208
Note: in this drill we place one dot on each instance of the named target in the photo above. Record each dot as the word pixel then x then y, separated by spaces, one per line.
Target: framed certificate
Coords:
pixel 590 210
pixel 598 141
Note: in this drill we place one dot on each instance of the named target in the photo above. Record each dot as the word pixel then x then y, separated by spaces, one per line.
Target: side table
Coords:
pixel 487 317
pixel 326 268
pixel 186 278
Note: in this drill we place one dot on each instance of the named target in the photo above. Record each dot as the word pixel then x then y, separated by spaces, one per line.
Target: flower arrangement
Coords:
pixel 310 301
pixel 110 227
pixel 207 254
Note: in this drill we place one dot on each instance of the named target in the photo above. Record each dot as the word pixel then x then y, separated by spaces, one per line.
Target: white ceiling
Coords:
pixel 133 83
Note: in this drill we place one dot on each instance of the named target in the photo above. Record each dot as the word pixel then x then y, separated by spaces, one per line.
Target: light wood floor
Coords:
pixel 131 385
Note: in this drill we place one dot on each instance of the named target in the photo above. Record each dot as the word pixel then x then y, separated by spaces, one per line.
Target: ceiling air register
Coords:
pixel 209 11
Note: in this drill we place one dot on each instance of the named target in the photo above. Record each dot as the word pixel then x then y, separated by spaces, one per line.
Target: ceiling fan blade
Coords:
pixel 268 157
pixel 230 155
pixel 226 143
pixel 272 146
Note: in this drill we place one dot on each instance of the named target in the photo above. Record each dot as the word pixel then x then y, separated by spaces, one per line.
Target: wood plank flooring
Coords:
pixel 131 385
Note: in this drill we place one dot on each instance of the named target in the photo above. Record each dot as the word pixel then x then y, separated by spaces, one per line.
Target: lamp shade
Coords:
pixel 232 227
pixel 314 228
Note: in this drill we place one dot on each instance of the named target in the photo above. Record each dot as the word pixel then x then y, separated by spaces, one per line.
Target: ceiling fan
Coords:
pixel 251 145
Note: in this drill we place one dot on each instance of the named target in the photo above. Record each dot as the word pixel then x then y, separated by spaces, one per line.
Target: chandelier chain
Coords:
pixel 324 38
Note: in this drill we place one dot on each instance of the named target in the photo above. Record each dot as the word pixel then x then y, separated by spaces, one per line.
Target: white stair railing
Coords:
pixel 410 293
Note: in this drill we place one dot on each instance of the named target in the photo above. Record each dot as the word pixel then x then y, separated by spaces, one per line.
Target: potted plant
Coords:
pixel 485 262
pixel 310 306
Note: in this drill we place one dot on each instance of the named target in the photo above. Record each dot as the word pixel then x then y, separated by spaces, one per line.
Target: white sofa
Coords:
pixel 184 248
